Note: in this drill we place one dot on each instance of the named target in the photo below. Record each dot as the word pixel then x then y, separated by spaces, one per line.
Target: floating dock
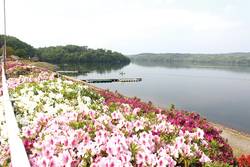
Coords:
pixel 72 71
pixel 112 80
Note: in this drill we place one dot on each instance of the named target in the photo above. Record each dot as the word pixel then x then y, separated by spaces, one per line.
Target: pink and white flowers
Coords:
pixel 67 124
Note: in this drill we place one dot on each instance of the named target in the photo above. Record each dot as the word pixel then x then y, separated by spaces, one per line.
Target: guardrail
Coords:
pixel 17 150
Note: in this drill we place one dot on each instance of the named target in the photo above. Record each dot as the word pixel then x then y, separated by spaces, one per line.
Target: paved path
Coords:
pixel 240 142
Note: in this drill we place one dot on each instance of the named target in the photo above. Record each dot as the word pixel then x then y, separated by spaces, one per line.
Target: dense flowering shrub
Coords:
pixel 68 124
pixel 219 150
pixel 244 161
pixel 15 68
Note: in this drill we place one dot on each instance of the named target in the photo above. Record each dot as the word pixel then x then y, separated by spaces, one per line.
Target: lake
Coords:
pixel 219 92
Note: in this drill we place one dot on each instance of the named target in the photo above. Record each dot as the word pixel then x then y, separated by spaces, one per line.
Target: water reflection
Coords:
pixel 98 67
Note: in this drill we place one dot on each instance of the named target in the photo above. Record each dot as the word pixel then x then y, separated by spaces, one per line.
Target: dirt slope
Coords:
pixel 240 142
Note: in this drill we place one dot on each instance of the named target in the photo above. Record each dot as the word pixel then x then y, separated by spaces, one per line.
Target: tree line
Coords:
pixel 61 54
pixel 235 58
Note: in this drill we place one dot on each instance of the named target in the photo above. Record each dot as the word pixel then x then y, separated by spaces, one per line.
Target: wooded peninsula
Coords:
pixel 61 54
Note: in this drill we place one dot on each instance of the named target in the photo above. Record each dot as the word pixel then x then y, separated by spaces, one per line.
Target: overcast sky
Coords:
pixel 132 26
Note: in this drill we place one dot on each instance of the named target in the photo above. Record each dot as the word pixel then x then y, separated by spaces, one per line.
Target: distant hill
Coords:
pixel 238 57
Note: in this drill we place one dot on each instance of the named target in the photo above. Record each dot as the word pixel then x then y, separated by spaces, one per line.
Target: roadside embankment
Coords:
pixel 240 142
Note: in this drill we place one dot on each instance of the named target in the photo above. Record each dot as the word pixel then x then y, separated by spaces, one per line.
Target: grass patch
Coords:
pixel 44 65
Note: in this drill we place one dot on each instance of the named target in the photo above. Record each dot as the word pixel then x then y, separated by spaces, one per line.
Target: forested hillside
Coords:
pixel 17 47
pixel 73 53
pixel 60 54
pixel 238 58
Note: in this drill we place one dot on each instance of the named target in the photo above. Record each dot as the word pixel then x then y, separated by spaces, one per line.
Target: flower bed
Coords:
pixel 68 124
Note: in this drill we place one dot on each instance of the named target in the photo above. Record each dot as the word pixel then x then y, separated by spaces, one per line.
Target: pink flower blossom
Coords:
pixel 199 133
pixel 204 158
pixel 65 158
pixel 27 132
pixel 140 158
pixel 138 125
pixel 162 163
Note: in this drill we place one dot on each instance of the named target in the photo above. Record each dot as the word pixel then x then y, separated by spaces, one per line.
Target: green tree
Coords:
pixel 20 53
pixel 9 50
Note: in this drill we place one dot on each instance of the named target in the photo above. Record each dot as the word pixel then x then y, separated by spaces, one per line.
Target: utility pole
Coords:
pixel 4 48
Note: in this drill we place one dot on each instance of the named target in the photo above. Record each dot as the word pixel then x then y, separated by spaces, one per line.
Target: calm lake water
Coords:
pixel 221 93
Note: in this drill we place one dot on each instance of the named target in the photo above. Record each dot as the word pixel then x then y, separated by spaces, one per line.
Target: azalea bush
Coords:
pixel 63 123
pixel 244 161
pixel 15 68
pixel 219 149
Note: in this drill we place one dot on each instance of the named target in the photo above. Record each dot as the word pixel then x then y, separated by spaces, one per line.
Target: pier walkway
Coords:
pixel 112 80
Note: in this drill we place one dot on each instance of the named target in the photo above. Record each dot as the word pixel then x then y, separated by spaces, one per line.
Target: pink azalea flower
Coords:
pixel 114 162
pixel 92 114
pixel 81 150
pixel 86 137
pixel 153 159
pixel 140 158
pixel 136 110
pixel 44 162
pixel 162 163
pixel 172 163
pixel 48 153
pixel 99 133
pixel 199 133
pixel 94 165
pixel 170 128
pixel 27 132
pixel 147 158
pixel 169 149
pixel 99 140
pixel 53 162
pixel 79 133
pixel 204 158
pixel 74 163
pixel 114 115
pixel 204 143
pixel 125 158
pixel 129 126
pixel 154 128
pixel 144 135
pixel 111 149
pixel 138 125
pixel 65 158
pixel 180 139
pixel 175 153
pixel 50 140
pixel 127 110
pixel 177 145
pixel 187 150
pixel 74 141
